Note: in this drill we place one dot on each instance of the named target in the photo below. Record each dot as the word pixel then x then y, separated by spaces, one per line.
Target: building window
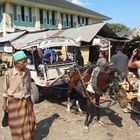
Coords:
pixel 71 20
pixel 79 20
pixel 22 13
pixel 86 21
pixel 41 16
pixel 83 20
pixel 30 14
pixel 0 11
pixel 3 8
pixel 67 19
pixel 15 12
pixel 48 17
pixel 62 18
pixel 53 17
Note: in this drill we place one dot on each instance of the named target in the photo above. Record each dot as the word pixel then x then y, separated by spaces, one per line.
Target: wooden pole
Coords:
pixel 4 24
pixel 109 52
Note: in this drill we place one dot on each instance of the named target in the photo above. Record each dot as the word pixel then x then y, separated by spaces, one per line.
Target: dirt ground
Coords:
pixel 55 123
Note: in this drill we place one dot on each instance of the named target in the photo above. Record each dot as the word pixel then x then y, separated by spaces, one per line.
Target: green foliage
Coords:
pixel 118 27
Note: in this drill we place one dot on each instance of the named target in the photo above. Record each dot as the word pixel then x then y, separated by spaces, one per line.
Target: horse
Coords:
pixel 100 79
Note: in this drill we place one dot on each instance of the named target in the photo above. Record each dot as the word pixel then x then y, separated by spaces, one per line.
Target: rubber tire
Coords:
pixel 34 93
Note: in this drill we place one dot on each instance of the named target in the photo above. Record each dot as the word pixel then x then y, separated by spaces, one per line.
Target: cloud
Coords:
pixel 79 2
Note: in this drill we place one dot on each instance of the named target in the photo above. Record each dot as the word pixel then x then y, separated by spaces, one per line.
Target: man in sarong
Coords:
pixel 17 99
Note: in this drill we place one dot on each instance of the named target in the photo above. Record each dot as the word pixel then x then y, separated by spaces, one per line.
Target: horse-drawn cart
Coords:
pixel 50 75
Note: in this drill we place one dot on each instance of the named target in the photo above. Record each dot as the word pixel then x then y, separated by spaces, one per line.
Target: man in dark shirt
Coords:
pixel 79 59
pixel 120 61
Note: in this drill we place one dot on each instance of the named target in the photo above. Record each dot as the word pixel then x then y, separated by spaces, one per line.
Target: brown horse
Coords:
pixel 101 78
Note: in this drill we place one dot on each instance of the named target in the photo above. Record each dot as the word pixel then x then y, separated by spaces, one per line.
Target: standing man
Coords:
pixel 17 99
pixel 136 64
pixel 120 61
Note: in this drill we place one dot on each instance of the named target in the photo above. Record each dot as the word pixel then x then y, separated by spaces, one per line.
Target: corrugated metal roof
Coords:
pixel 32 36
pixel 84 33
pixel 124 33
pixel 12 36
pixel 70 6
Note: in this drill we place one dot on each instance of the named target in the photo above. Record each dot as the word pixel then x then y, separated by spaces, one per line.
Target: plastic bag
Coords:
pixel 5 119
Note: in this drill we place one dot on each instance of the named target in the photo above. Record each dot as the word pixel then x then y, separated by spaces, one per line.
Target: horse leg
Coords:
pixel 68 105
pixel 76 102
pixel 89 116
pixel 97 99
pixel 71 103
pixel 78 106
pixel 69 96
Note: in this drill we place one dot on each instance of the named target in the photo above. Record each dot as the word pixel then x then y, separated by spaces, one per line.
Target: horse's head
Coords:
pixel 109 77
pixel 115 80
pixel 120 94
pixel 106 76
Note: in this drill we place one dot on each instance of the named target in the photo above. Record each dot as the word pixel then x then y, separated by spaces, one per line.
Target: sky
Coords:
pixel 126 12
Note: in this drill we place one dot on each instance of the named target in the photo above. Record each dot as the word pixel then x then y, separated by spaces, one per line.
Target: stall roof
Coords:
pixel 12 36
pixel 107 32
pixel 52 42
pixel 31 37
pixel 124 33
pixel 84 33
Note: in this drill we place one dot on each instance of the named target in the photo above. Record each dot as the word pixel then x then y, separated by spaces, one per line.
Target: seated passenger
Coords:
pixel 60 59
pixel 49 55
pixel 70 57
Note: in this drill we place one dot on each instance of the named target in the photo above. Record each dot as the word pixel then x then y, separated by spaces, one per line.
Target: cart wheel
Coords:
pixel 34 93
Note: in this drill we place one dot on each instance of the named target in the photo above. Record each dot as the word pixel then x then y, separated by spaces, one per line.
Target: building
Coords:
pixel 34 15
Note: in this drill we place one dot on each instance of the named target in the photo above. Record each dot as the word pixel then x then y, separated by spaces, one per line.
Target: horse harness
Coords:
pixel 92 88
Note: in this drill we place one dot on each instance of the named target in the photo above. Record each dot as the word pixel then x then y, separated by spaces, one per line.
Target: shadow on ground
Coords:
pixel 59 98
pixel 43 127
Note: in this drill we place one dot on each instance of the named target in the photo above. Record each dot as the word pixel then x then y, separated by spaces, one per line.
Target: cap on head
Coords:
pixel 19 55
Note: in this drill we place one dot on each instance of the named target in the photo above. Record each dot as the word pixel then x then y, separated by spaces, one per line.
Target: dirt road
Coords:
pixel 55 123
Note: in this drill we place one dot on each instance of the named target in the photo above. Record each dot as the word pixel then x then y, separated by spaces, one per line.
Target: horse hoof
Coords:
pixel 80 110
pixel 108 111
pixel 86 129
pixel 68 110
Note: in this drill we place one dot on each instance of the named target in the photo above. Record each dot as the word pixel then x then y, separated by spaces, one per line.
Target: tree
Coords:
pixel 118 27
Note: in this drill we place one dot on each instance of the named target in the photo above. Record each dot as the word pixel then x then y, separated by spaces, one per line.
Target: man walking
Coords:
pixel 17 99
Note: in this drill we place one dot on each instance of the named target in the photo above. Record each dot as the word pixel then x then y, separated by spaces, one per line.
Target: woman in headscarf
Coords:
pixel 17 99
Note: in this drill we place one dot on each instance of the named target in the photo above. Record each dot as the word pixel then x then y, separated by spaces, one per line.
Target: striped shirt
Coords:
pixel 17 84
